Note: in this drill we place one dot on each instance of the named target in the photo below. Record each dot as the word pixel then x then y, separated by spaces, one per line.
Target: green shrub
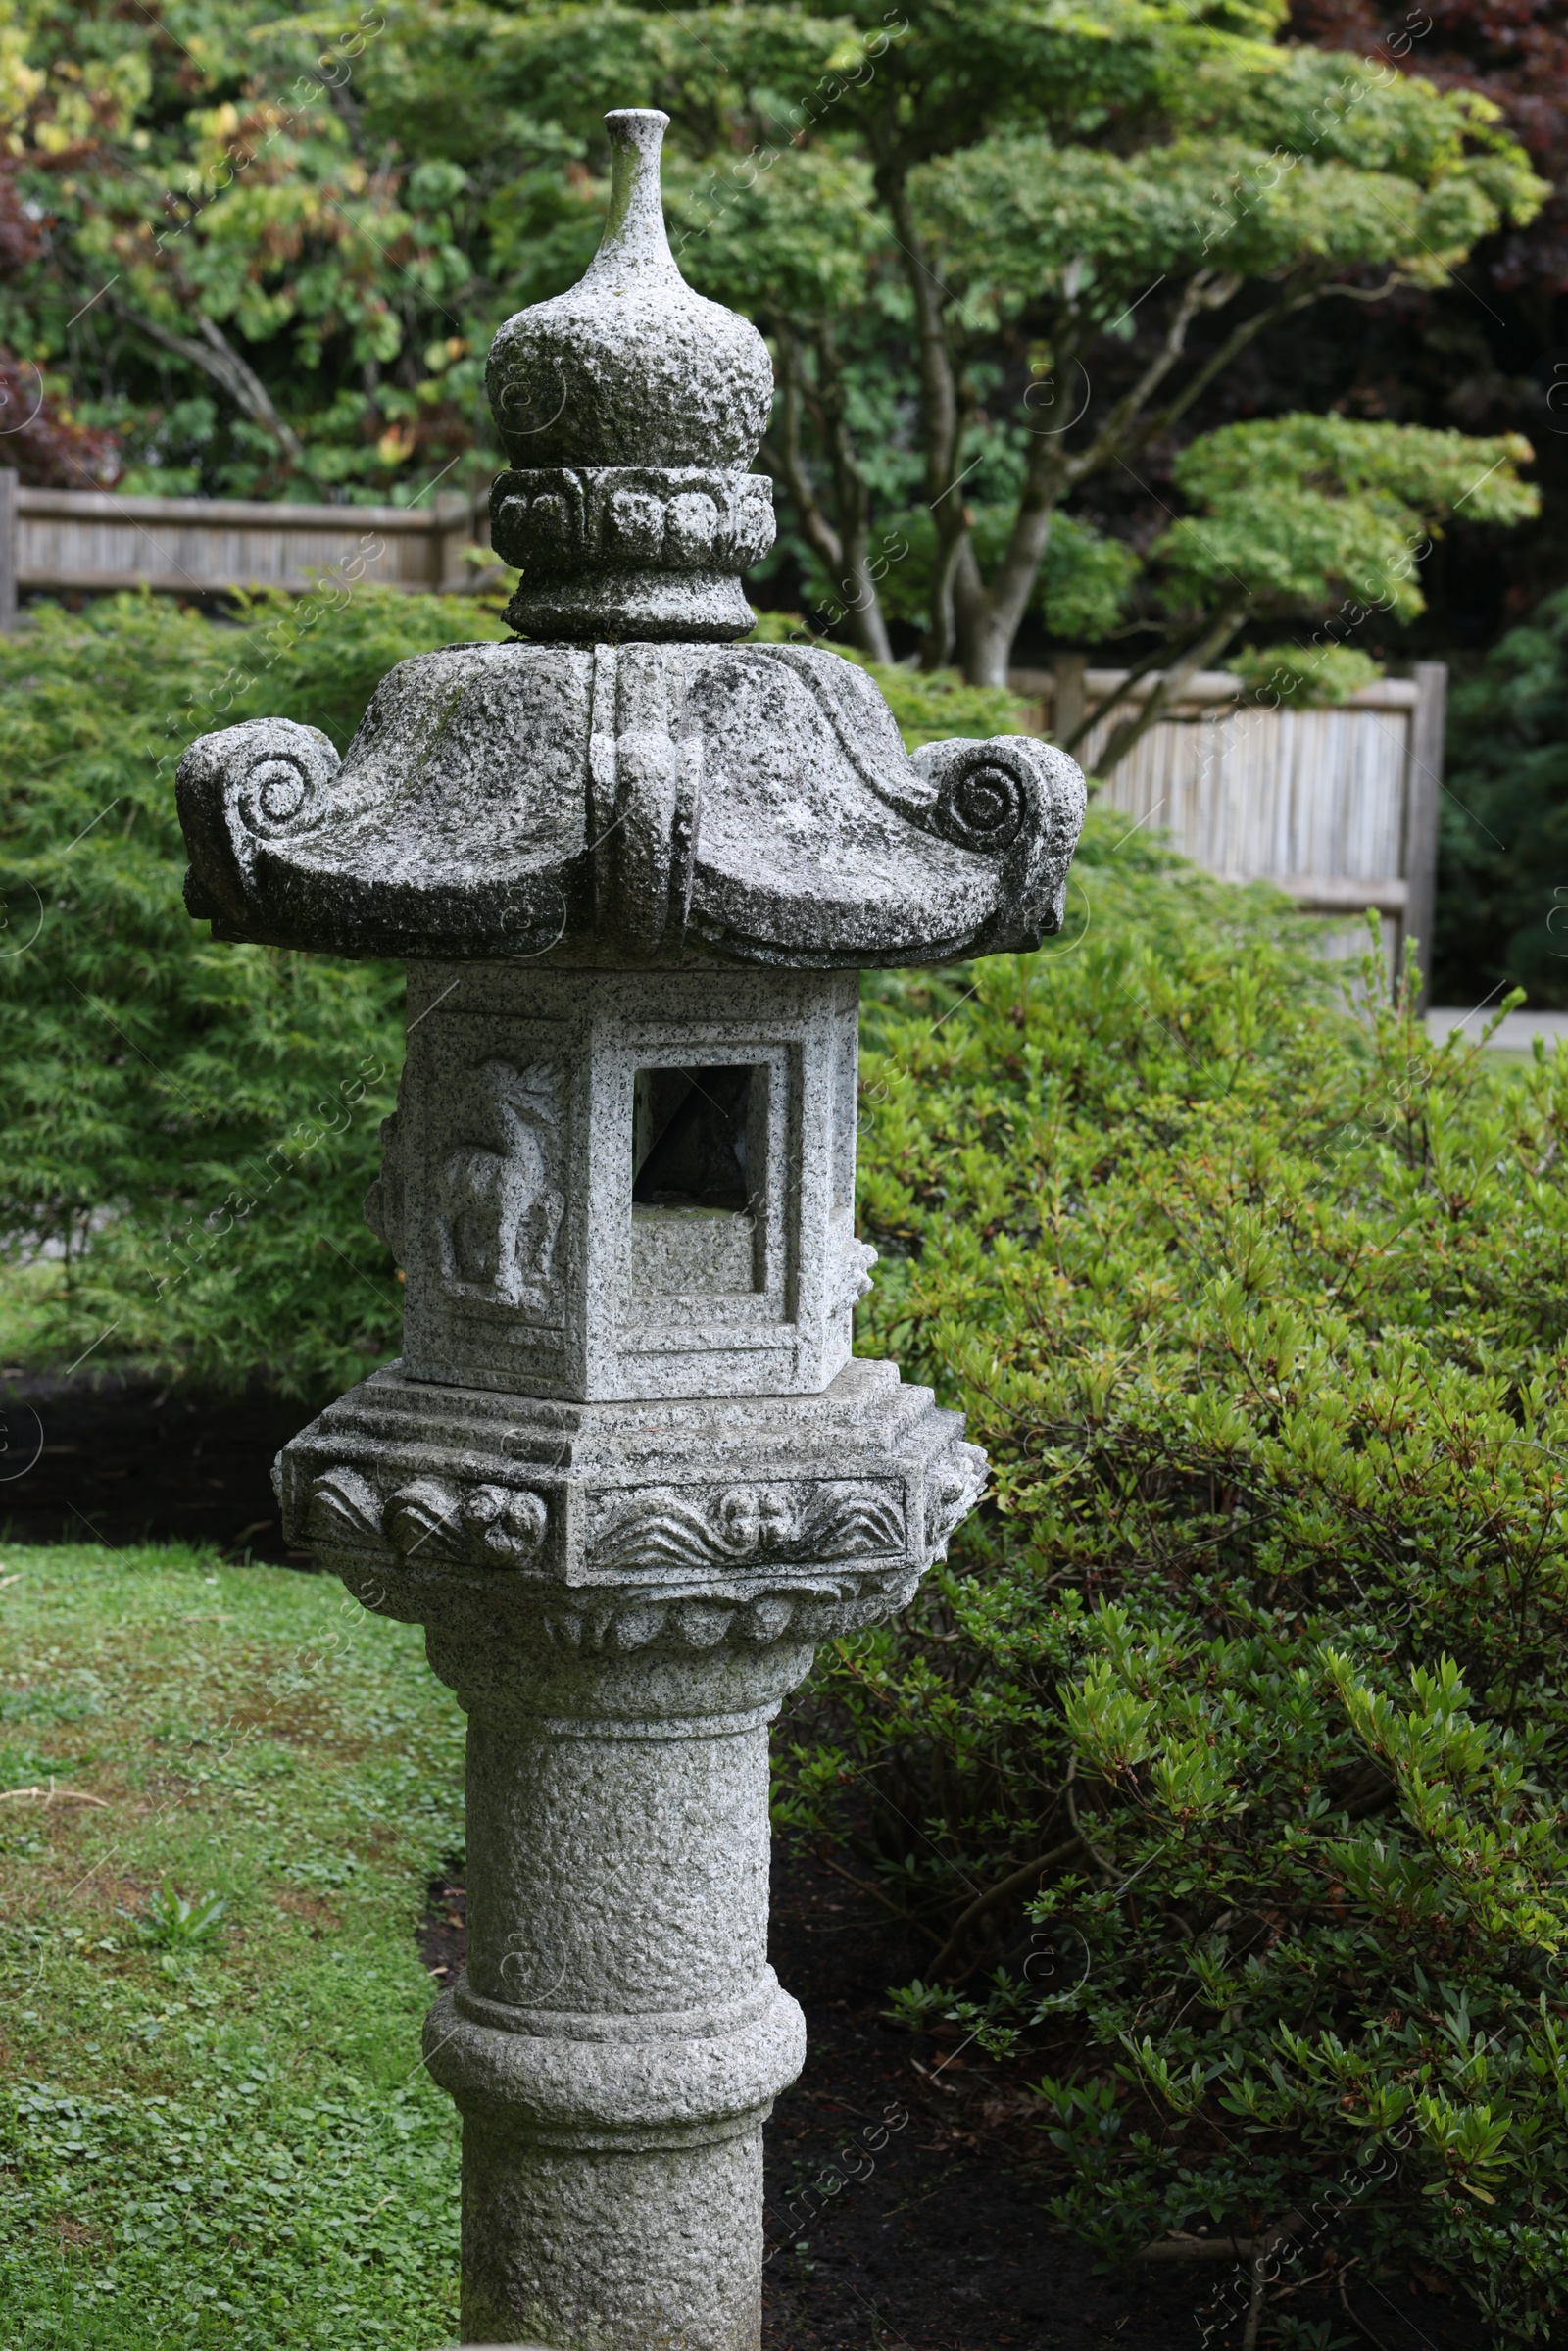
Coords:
pixel 1304 677
pixel 205 1114
pixel 930 706
pixel 1220 1774
pixel 1502 901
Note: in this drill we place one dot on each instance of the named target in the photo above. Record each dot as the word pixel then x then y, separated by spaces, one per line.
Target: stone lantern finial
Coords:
pixel 631 409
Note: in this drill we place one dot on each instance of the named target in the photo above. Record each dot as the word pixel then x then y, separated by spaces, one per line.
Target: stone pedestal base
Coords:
pixel 621 1596
pixel 657 1530
pixel 564 2225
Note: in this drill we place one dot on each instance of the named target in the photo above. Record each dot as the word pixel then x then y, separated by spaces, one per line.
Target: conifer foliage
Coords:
pixel 189 1126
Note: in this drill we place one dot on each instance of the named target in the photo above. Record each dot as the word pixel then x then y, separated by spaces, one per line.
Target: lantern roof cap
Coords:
pixel 631 409
pixel 632 805
pixel 627 786
pixel 630 366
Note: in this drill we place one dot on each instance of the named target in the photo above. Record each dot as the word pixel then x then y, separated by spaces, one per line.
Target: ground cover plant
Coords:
pixel 223 1793
pixel 1220 1774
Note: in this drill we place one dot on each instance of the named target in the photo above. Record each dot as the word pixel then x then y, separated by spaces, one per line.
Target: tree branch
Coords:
pixel 214 355
pixel 1210 642
pixel 1237 340
pixel 852 500
pixel 1109 440
pixel 1168 647
pixel 1053 472
pixel 999 1893
pixel 992 616
pixel 842 549
pixel 1182 2247
pixel 877 1896
pixel 938 381
pixel 957 585
pixel 785 463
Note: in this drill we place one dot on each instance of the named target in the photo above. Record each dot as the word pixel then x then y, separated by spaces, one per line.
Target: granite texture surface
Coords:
pixel 631 368
pixel 633 804
pixel 712 1527
pixel 628 1473
pixel 631 409
pixel 601 1184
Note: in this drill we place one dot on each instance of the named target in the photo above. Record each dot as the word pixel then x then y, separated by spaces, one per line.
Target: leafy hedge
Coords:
pixel 1220 1776
pixel 203 1115
pixel 190 1127
pixel 1502 907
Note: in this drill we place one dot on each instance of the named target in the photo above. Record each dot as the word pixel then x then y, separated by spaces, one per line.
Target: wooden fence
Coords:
pixel 1337 807
pixel 95 540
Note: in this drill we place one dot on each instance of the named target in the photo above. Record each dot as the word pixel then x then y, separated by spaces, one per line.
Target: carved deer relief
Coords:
pixel 499 1211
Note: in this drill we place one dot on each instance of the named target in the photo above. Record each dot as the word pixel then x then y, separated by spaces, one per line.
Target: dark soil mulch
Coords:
pixel 908 2183
pixel 116 1460
pixel 908 2179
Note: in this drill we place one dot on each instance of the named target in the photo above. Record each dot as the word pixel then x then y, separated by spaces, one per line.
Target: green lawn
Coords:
pixel 225 2139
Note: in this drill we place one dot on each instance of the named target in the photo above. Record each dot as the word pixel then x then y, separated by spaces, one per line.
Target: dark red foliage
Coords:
pixel 1514 52
pixel 39 441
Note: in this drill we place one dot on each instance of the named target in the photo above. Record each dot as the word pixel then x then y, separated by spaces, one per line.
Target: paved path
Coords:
pixel 1517 1034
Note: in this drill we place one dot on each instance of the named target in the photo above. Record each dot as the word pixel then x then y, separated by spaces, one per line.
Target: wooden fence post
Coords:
pixel 1423 795
pixel 453 527
pixel 8 550
pixel 1067 701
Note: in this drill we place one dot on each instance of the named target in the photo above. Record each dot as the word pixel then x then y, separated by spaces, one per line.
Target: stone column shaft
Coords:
pixel 619 1870
pixel 619 2037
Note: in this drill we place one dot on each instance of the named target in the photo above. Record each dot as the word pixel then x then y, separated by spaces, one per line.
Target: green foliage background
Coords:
pixel 1502 914
pixel 1244 1686
pixel 1003 248
pixel 211 1111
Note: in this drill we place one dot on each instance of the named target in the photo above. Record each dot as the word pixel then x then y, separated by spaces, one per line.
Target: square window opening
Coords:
pixel 697 1185
pixel 691 1139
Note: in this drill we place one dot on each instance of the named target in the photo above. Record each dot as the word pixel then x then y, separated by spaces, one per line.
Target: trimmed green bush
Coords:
pixel 1503 903
pixel 203 1115
pixel 1220 1776
pixel 1304 677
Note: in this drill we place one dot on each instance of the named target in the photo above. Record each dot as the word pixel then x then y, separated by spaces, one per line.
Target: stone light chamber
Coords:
pixel 625 1472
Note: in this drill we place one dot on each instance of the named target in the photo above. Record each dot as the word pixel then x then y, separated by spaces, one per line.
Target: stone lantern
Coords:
pixel 625 1472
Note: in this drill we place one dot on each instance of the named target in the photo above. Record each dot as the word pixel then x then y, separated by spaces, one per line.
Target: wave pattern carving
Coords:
pixel 734 1526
